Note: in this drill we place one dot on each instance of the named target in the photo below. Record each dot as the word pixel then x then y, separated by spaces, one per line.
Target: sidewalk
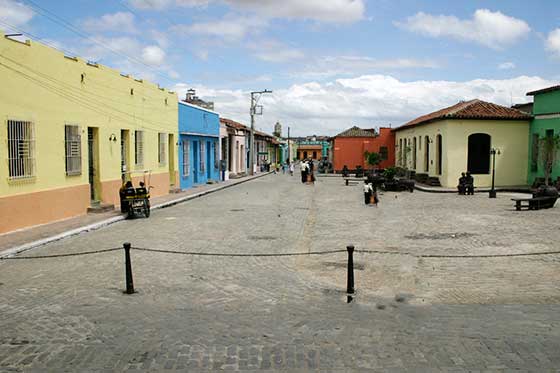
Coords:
pixel 433 189
pixel 28 238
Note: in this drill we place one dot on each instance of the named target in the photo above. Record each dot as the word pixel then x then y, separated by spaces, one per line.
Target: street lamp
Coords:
pixel 493 153
pixel 255 96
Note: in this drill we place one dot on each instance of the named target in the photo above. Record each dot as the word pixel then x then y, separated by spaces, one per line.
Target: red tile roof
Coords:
pixel 473 109
pixel 357 132
pixel 234 124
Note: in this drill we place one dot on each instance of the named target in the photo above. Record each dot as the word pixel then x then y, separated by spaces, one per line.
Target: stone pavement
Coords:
pixel 45 231
pixel 208 313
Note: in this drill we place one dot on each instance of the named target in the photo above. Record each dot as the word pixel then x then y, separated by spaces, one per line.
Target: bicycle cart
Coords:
pixel 135 202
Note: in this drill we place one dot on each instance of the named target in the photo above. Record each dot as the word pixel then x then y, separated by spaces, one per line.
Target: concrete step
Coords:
pixel 100 207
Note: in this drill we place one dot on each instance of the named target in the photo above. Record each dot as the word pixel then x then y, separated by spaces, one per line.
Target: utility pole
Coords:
pixel 289 152
pixel 255 96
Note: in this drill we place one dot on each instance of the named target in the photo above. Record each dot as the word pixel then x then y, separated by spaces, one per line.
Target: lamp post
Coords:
pixel 255 96
pixel 493 153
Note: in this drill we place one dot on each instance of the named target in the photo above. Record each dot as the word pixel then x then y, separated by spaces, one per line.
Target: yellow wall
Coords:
pixel 510 137
pixel 40 84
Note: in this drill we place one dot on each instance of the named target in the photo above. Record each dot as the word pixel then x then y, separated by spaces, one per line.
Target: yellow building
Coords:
pixel 457 139
pixel 71 130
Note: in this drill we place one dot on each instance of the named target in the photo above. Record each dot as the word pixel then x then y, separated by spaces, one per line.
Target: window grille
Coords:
pixel 216 155
pixel 73 142
pixel 202 155
pixel 139 148
pixel 162 147
pixel 21 149
pixel 186 158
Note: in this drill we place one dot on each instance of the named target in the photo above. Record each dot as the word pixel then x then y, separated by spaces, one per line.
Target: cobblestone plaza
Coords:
pixel 192 313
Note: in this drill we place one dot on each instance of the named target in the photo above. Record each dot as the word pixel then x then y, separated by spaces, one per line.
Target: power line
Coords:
pixel 67 25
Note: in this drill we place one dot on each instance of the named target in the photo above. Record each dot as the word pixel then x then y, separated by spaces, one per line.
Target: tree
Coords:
pixel 372 159
pixel 548 149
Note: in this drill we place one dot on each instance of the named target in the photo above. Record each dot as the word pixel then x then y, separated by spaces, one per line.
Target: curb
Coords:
pixel 110 221
pixel 476 190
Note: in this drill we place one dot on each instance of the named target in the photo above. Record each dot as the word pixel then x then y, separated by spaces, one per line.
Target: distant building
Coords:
pixel 314 147
pixel 349 147
pixel 193 99
pixel 456 139
pixel 546 122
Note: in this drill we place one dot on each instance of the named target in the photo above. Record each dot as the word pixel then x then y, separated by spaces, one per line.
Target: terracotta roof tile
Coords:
pixel 357 132
pixel 473 109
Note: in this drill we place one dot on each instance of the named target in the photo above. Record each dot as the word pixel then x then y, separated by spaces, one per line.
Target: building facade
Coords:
pixel 350 146
pixel 237 141
pixel 74 131
pixel 199 146
pixel 546 122
pixel 457 139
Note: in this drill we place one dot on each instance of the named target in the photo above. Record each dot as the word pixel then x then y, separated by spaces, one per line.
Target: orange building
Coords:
pixel 350 146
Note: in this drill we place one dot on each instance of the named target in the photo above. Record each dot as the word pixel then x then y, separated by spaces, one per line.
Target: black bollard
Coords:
pixel 128 269
pixel 350 283
pixel 346 182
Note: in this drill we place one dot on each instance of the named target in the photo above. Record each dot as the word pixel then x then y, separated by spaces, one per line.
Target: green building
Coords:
pixel 546 122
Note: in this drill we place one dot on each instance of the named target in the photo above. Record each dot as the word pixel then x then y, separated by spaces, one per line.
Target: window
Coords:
pixel 139 148
pixel 216 155
pixel 186 157
pixel 202 156
pixel 384 152
pixel 21 149
pixel 479 154
pixel 162 148
pixel 535 153
pixel 73 141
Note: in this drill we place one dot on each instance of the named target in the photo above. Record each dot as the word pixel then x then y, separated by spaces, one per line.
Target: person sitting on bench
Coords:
pixel 469 184
pixel 462 186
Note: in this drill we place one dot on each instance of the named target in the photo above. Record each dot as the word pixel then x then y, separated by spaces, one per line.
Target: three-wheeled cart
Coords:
pixel 135 202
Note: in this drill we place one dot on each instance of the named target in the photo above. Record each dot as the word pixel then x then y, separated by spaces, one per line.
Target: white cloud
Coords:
pixel 368 101
pixel 274 51
pixel 491 29
pixel 330 66
pixel 506 66
pixel 338 11
pixel 14 13
pixel 164 4
pixel 153 55
pixel 120 21
pixel 552 43
pixel 230 27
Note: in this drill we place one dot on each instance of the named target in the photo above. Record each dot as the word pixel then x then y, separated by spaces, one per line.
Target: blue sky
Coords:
pixel 330 63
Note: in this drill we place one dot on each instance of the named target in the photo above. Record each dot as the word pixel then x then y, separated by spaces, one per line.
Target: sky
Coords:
pixel 331 64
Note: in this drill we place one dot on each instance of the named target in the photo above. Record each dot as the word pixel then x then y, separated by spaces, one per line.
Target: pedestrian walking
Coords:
pixel 368 190
pixel 304 171
pixel 291 169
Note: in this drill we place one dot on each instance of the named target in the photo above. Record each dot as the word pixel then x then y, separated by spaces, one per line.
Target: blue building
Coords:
pixel 199 135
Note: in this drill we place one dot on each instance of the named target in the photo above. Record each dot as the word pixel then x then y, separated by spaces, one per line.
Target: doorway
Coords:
pixel 427 155
pixel 171 151
pixel 195 161
pixel 93 163
pixel 208 164
pixel 125 160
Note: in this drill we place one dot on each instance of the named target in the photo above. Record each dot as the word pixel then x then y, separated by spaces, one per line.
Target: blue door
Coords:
pixel 208 159
pixel 195 161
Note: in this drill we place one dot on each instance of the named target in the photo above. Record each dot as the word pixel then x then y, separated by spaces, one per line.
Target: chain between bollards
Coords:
pixel 350 282
pixel 128 269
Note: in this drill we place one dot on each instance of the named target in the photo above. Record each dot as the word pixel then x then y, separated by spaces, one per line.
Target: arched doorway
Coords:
pixel 478 161
pixel 439 156
pixel 414 153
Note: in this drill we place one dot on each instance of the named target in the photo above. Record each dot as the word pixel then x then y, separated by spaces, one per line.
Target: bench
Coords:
pixel 347 180
pixel 535 203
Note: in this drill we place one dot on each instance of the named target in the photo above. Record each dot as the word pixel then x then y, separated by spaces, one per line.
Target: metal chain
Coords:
pixel 238 254
pixel 458 256
pixel 61 255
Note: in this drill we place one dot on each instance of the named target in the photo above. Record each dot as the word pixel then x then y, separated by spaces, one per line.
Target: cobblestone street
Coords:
pixel 202 313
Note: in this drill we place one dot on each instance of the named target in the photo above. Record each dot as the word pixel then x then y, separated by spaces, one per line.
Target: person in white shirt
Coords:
pixel 304 170
pixel 368 190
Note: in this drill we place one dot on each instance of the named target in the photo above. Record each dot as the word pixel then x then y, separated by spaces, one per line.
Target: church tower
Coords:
pixel 277 130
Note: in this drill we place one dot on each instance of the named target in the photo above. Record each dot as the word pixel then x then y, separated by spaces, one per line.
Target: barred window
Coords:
pixel 384 152
pixel 202 155
pixel 21 149
pixel 73 142
pixel 139 148
pixel 162 148
pixel 186 157
pixel 216 155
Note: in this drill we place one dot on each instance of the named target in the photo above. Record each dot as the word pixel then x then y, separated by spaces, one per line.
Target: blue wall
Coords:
pixel 197 126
